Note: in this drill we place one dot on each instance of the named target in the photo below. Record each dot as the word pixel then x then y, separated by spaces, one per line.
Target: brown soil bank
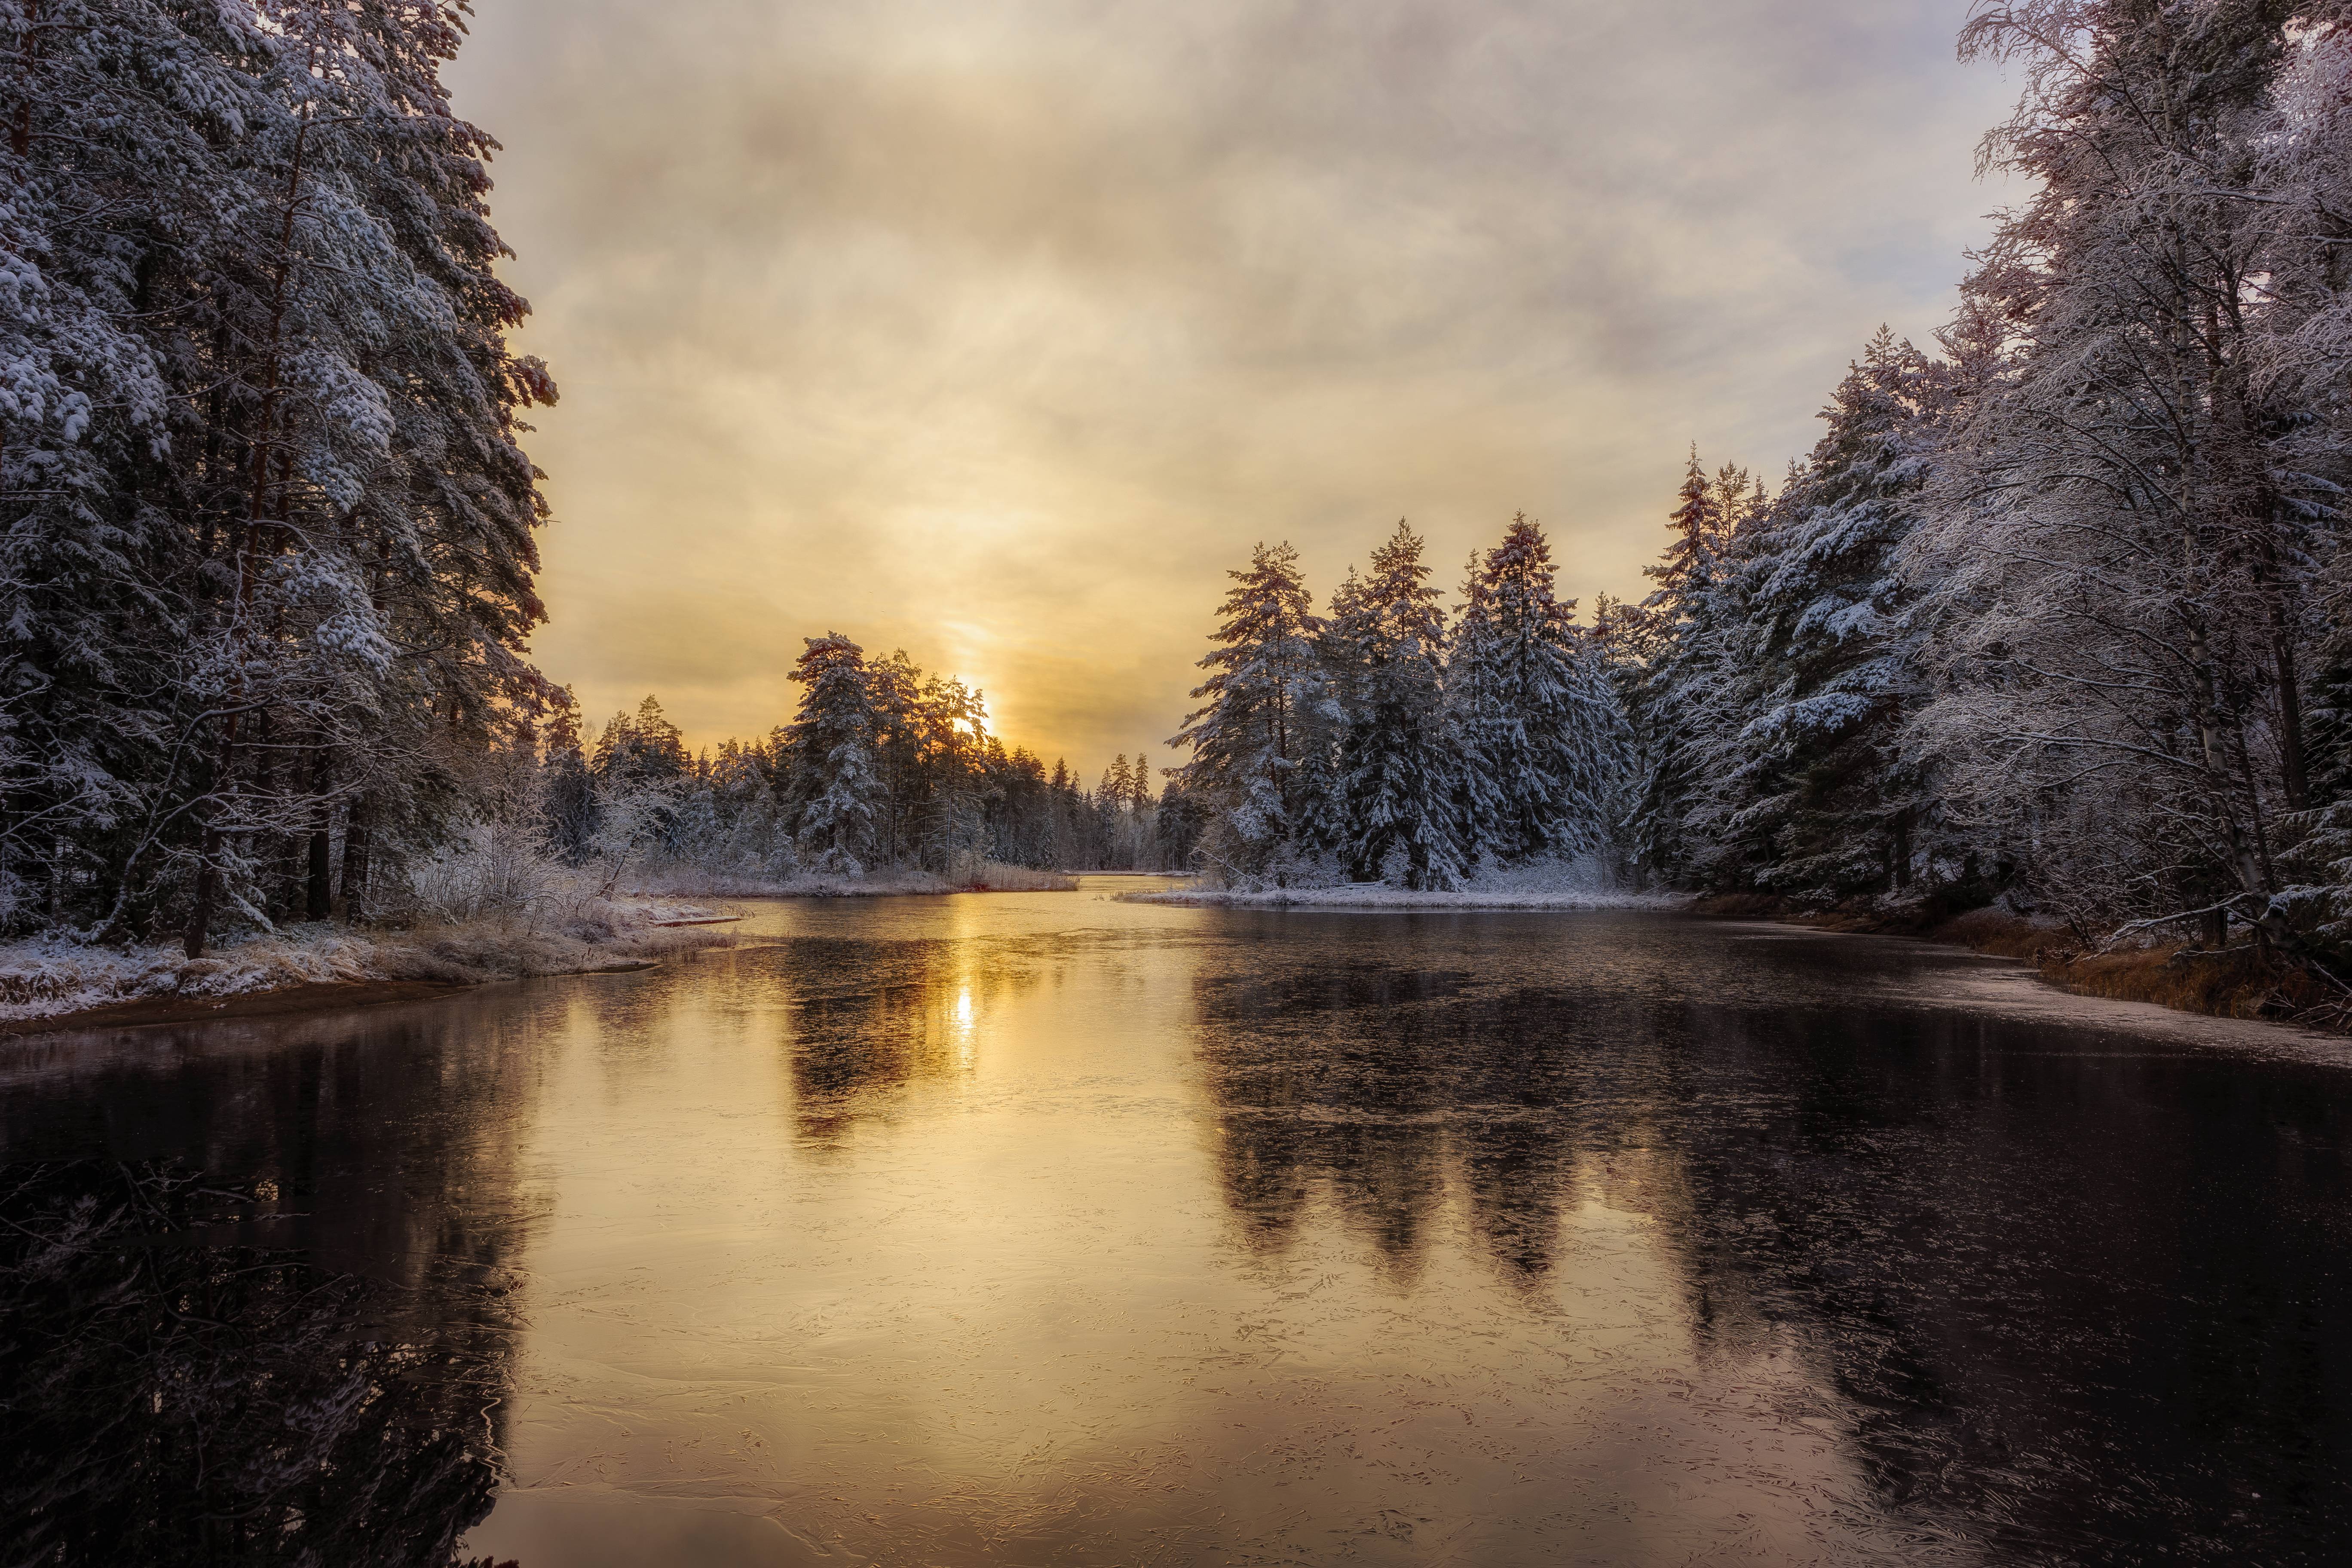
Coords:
pixel 2180 975
pixel 316 997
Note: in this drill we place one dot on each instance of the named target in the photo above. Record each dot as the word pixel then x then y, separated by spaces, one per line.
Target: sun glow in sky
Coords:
pixel 999 331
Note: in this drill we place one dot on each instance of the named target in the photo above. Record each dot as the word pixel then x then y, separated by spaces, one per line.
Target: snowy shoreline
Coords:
pixel 49 982
pixel 1379 895
pixel 54 982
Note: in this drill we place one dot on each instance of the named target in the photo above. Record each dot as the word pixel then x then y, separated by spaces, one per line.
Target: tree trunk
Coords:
pixel 355 861
pixel 318 888
pixel 2291 760
pixel 200 913
pixel 318 893
pixel 20 128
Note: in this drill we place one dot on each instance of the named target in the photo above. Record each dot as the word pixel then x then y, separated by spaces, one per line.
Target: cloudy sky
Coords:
pixel 998 332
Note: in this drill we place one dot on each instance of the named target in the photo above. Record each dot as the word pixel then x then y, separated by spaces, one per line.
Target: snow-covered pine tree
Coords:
pixel 1399 792
pixel 641 746
pixel 1720 666
pixel 1542 738
pixel 1264 687
pixel 949 815
pixel 1819 801
pixel 121 118
pixel 1147 791
pixel 262 341
pixel 837 788
pixel 1670 661
pixel 1474 710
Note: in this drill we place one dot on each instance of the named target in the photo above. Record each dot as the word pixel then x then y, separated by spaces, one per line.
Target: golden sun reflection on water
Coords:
pixel 1044 1229
pixel 1089 1295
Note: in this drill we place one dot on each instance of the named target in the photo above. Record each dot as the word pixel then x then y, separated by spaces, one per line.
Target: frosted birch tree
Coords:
pixel 2117 523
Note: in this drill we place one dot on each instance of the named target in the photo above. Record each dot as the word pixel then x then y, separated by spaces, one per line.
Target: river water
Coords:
pixel 1057 1229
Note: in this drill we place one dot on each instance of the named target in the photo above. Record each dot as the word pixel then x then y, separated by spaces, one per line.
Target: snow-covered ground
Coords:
pixel 43 977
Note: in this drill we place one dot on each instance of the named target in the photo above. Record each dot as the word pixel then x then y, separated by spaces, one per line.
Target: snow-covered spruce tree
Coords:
pixel 2119 522
pixel 292 575
pixel 570 795
pixel 1399 815
pixel 1540 732
pixel 1321 833
pixel 1820 798
pixel 391 560
pixel 1680 678
pixel 1721 670
pixel 117 114
pixel 832 741
pixel 1264 685
pixel 951 823
pixel 901 744
pixel 1624 640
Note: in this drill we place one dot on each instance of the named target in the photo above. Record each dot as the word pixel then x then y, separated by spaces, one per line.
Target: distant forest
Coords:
pixel 2058 613
pixel 883 769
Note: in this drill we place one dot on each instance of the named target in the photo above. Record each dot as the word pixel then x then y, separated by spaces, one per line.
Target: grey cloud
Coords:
pixel 1000 331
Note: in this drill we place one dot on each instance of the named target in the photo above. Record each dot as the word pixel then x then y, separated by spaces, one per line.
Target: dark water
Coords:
pixel 1045 1229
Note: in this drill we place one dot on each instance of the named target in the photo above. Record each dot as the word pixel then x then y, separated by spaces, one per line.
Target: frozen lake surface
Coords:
pixel 1052 1229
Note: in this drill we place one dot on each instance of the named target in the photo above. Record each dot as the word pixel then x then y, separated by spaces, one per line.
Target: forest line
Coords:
pixel 2054 614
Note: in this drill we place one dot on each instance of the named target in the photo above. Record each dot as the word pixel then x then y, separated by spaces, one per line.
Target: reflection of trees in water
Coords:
pixel 166 1401
pixel 869 1018
pixel 2072 1304
pixel 2084 1305
pixel 302 1357
pixel 1378 1084
pixel 392 1135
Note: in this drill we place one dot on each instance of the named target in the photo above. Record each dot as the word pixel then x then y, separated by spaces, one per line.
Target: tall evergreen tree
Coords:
pixel 1820 799
pixel 1536 718
pixel 269 546
pixel 1668 682
pixel 1261 695
pixel 833 741
pixel 1398 787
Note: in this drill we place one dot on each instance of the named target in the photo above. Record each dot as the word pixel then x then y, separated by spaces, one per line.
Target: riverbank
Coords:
pixel 1379 895
pixel 49 984
pixel 687 882
pixel 2179 975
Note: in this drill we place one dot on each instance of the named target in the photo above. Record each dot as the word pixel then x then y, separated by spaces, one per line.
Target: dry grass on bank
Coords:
pixel 49 977
pixel 2244 984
